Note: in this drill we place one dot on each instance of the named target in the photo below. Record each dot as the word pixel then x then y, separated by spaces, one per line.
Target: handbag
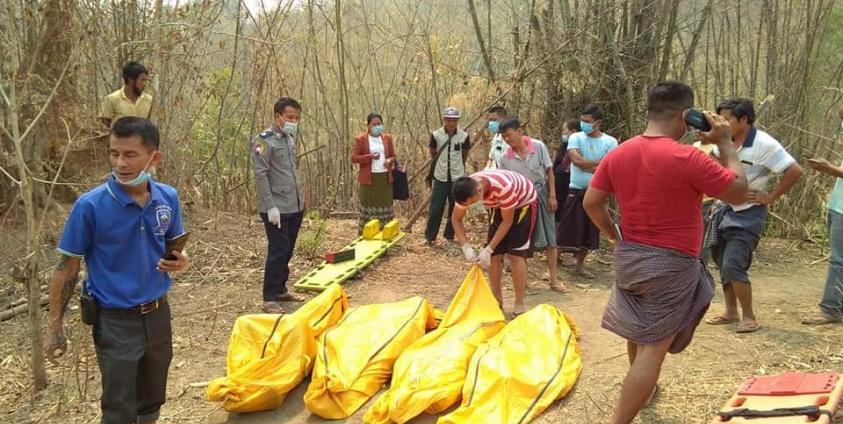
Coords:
pixel 400 183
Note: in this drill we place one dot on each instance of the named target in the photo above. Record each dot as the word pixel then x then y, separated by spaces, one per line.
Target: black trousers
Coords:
pixel 279 250
pixel 134 353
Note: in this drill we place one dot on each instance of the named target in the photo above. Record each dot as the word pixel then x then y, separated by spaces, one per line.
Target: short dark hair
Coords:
pixel 668 98
pixel 463 189
pixel 372 116
pixel 595 111
pixel 500 110
pixel 128 126
pixel 132 70
pixel 573 125
pixel 740 107
pixel 286 102
pixel 511 123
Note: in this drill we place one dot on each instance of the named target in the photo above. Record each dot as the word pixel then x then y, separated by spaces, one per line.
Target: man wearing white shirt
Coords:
pixel 738 227
pixel 496 114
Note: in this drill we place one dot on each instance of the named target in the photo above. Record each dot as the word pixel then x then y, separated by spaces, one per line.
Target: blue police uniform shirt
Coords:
pixel 122 242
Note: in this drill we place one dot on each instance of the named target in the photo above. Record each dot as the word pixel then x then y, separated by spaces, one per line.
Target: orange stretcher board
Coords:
pixel 806 398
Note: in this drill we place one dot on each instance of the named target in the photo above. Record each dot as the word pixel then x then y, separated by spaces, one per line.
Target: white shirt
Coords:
pixel 497 150
pixel 761 155
pixel 376 146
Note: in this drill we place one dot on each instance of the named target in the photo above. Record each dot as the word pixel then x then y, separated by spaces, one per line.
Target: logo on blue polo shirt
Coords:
pixel 163 214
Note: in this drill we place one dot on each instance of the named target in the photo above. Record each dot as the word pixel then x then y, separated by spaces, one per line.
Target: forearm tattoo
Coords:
pixel 69 284
pixel 67 290
pixel 64 262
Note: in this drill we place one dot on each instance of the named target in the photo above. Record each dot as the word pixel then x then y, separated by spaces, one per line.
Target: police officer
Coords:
pixel 120 228
pixel 280 202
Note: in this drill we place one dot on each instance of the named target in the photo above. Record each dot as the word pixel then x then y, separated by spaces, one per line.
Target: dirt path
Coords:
pixel 225 283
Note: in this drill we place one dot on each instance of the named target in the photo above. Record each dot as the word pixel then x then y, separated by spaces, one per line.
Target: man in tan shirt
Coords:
pixel 129 100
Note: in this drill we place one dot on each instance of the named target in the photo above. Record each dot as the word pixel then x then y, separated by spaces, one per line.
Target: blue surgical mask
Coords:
pixel 290 128
pixel 586 127
pixel 141 179
pixel 377 130
pixel 493 126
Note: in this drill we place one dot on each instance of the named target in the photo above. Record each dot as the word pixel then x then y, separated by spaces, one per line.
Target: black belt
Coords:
pixel 142 309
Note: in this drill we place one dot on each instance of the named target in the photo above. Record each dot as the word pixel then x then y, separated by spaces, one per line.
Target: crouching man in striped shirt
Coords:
pixel 512 198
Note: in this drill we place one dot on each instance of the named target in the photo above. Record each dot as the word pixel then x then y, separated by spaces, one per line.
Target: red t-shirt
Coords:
pixel 659 185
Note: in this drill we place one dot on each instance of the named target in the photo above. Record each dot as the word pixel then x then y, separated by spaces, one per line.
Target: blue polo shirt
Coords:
pixel 122 242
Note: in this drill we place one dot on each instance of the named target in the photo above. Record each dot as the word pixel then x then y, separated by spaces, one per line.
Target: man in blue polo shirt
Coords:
pixel 120 229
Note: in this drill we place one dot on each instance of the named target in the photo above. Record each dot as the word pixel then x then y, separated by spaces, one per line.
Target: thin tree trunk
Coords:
pixel 39 373
pixel 668 40
pixel 487 60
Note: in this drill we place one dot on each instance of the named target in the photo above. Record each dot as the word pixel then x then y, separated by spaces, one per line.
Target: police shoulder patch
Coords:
pixel 259 147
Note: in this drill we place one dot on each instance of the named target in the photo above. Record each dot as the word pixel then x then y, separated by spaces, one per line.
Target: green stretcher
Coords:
pixel 373 243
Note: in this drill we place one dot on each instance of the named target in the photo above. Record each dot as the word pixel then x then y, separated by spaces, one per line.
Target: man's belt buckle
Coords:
pixel 148 307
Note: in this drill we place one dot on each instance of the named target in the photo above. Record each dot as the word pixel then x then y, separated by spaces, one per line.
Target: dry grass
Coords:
pixel 225 282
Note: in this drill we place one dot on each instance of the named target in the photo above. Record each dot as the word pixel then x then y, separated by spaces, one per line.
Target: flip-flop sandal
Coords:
pixel 516 312
pixel 290 297
pixel 720 320
pixel 559 288
pixel 272 308
pixel 820 319
pixel 569 262
pixel 584 273
pixel 747 327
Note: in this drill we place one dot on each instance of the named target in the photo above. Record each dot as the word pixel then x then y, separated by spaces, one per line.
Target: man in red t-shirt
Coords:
pixel 512 199
pixel 662 289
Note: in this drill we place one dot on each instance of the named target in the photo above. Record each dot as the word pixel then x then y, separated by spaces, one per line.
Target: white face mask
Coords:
pixel 142 178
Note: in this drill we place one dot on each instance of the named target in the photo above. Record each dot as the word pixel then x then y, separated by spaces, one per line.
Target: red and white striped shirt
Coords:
pixel 506 189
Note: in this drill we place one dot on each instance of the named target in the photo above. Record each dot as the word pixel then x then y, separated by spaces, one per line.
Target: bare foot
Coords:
pixel 652 395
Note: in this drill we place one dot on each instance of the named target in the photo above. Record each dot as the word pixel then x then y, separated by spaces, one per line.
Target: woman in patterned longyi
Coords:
pixel 375 154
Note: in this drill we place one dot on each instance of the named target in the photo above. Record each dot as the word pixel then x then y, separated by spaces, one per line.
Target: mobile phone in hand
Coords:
pixel 695 119
pixel 178 244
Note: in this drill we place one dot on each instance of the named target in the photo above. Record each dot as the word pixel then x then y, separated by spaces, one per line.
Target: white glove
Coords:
pixel 485 257
pixel 274 217
pixel 469 253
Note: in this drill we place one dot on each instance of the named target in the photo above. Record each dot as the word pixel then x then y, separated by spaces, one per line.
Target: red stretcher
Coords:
pixel 785 399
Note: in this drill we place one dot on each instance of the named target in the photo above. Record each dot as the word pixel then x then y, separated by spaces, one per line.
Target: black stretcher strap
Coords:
pixel 812 411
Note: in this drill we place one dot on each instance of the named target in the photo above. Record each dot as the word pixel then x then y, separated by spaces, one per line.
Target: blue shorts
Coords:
pixel 733 254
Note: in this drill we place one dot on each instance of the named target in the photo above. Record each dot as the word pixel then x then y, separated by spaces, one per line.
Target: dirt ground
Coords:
pixel 225 280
